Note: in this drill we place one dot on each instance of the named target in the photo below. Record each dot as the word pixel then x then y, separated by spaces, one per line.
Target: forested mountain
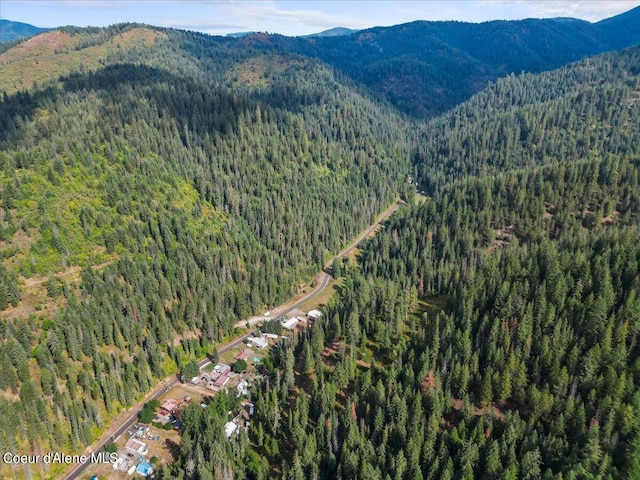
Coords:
pixel 333 32
pixel 147 208
pixel 584 110
pixel 157 186
pixel 16 30
pixel 490 331
pixel 426 68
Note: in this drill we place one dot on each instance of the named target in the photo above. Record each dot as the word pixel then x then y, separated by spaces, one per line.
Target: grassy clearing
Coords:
pixel 334 286
pixel 419 198
pixel 257 71
pixel 49 55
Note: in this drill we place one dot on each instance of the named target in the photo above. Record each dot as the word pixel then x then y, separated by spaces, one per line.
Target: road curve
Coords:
pixel 327 267
pixel 169 382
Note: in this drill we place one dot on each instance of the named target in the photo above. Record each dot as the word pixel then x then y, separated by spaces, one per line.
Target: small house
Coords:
pixel 243 388
pixel 244 355
pixel 230 429
pixel 170 406
pixel 314 314
pixel 222 368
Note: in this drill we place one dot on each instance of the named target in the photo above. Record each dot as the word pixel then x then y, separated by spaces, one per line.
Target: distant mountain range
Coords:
pixel 239 34
pixel 333 32
pixel 16 30
pixel 426 68
pixel 158 185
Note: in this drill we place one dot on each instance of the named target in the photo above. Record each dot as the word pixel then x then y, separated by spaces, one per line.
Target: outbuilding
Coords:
pixel 245 355
pixel 136 447
pixel 259 342
pixel 290 324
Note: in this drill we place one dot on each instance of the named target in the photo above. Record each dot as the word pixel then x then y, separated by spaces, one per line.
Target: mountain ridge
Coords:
pixel 10 30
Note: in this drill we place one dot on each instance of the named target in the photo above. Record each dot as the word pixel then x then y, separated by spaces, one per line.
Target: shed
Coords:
pixel 244 355
pixel 314 314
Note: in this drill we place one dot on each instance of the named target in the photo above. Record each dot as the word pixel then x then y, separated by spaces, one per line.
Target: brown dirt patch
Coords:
pixel 34 293
pixel 329 354
pixel 609 219
pixel 495 409
pixel 503 236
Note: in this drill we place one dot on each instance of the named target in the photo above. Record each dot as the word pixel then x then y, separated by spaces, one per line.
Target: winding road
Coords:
pixel 112 433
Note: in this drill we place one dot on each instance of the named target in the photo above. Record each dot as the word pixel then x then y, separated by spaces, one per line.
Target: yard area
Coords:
pixel 163 448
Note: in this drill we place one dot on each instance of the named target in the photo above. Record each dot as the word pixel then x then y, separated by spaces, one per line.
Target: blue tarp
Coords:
pixel 144 468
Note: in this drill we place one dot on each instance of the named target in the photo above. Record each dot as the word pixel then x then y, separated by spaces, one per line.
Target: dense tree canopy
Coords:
pixel 488 331
pixel 183 206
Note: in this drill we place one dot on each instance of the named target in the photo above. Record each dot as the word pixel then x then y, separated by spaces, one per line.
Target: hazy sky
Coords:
pixel 219 17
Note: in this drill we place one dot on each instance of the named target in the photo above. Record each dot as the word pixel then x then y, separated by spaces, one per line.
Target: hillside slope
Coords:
pixel 426 68
pixel 490 331
pixel 146 209
pixel 577 112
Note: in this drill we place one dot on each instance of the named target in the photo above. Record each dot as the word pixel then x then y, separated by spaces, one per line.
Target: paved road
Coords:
pixel 166 384
pixel 327 267
pixel 325 276
pixel 157 393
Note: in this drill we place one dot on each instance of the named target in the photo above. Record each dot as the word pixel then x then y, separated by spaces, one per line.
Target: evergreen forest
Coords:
pixel 159 186
pixel 491 330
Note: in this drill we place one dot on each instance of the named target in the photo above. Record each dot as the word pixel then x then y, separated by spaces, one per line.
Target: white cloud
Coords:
pixel 67 3
pixel 197 25
pixel 266 13
pixel 591 11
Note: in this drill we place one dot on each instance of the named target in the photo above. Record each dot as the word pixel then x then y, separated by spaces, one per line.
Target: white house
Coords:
pixel 243 388
pixel 222 368
pixel 258 342
pixel 314 314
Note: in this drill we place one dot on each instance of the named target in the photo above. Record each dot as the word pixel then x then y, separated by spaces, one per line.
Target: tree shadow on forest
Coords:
pixel 173 447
